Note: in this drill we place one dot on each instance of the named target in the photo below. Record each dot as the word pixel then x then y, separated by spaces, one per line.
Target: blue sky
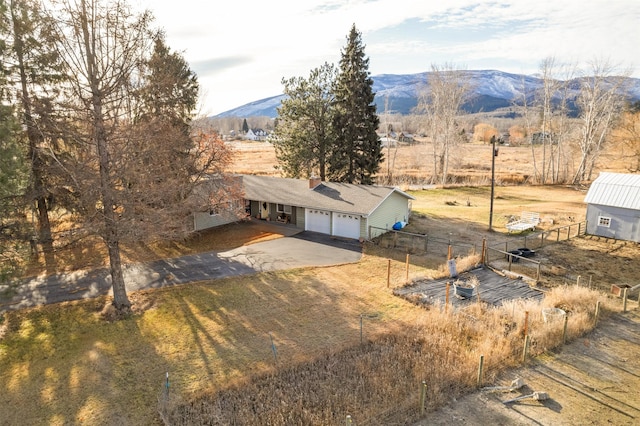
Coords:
pixel 241 49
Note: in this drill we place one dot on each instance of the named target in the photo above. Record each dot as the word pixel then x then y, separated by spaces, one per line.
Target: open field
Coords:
pixel 470 164
pixel 63 364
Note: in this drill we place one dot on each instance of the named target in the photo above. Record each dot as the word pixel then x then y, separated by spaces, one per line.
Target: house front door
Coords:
pixel 264 210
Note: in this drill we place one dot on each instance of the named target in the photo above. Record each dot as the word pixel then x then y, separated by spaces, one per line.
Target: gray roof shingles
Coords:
pixel 339 197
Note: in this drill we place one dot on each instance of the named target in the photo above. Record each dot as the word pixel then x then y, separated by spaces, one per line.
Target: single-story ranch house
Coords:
pixel 338 209
pixel 613 206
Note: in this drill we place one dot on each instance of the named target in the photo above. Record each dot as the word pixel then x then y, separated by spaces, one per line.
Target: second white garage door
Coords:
pixel 346 225
pixel 317 221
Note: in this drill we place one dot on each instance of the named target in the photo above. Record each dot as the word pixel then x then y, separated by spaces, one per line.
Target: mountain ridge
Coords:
pixel 492 89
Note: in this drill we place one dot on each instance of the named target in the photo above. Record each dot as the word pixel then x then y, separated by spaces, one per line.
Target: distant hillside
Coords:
pixel 491 90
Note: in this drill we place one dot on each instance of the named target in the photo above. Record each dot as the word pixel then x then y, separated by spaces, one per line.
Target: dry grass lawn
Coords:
pixel 63 364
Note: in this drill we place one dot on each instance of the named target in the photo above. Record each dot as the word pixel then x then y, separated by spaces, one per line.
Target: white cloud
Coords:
pixel 242 49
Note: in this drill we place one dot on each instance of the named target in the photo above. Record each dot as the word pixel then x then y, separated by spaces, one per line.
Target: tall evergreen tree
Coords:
pixel 358 152
pixel 171 88
pixel 14 179
pixel 303 138
pixel 33 67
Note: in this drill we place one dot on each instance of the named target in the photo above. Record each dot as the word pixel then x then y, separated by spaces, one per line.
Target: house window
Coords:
pixel 604 221
pixel 283 208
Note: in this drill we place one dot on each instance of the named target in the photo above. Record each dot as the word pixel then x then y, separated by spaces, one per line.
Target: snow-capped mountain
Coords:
pixel 491 90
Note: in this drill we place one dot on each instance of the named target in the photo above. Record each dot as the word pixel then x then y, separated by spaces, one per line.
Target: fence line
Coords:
pixel 416 243
pixel 538 239
pixel 493 252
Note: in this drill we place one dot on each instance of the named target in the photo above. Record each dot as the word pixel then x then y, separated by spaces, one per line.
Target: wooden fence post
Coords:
pixel 624 300
pixel 597 314
pixel 423 396
pixel 407 269
pixel 446 297
pixel 564 330
pixel 525 351
pixel 526 322
pixel 542 239
pixel 483 256
pixel 480 367
pixel 388 272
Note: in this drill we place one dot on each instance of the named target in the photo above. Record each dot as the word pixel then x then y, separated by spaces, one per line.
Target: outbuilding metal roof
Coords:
pixel 338 197
pixel 616 190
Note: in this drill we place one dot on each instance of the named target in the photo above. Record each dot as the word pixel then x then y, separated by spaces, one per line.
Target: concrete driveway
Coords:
pixel 300 250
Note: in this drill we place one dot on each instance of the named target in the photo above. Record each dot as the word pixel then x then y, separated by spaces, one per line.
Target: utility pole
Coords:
pixel 494 153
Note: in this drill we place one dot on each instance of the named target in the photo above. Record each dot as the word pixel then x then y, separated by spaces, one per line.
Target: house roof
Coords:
pixel 339 197
pixel 616 190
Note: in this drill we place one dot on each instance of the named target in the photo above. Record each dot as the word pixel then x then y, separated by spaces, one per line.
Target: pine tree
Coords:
pixel 171 89
pixel 245 126
pixel 358 152
pixel 33 66
pixel 303 138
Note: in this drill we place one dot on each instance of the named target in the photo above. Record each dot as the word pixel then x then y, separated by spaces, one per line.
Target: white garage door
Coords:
pixel 346 225
pixel 317 221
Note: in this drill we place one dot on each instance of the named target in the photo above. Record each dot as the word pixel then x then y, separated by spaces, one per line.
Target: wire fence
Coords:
pixel 513 253
pixel 536 240
pixel 407 395
pixel 413 243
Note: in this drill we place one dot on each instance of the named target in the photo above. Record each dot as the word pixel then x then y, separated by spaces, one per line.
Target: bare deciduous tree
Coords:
pixel 600 102
pixel 627 133
pixel 133 172
pixel 552 104
pixel 442 101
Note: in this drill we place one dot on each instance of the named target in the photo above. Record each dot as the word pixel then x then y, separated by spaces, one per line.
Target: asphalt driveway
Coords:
pixel 300 250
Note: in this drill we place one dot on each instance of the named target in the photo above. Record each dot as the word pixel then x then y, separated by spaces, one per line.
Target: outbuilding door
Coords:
pixel 346 225
pixel 318 221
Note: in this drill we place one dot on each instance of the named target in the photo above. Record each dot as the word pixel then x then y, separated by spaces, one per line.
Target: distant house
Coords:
pixel 538 138
pixel 256 135
pixel 338 209
pixel 406 137
pixel 613 206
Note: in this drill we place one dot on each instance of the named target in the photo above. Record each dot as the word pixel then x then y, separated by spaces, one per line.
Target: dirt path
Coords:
pixel 592 381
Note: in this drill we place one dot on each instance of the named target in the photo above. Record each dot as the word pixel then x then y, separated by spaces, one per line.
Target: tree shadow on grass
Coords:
pixel 63 364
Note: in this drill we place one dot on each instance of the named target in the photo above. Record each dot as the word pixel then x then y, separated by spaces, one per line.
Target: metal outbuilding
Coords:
pixel 613 206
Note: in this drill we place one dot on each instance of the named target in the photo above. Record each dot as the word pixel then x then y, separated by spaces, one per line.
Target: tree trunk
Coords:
pixel 120 300
pixel 39 190
pixel 111 237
